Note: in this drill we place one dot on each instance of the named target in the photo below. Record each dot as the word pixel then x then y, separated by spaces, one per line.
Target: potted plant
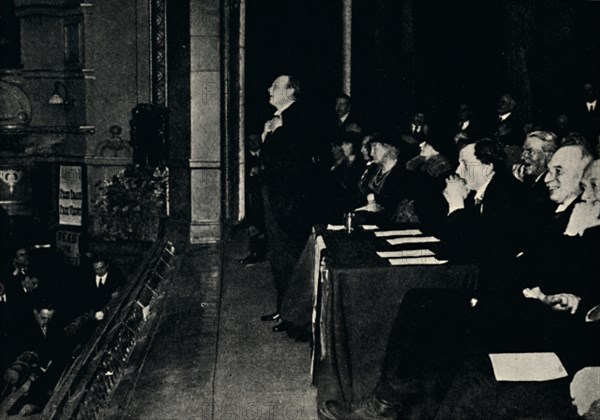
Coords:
pixel 129 206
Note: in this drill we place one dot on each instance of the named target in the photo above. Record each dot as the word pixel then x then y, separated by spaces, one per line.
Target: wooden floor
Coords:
pixel 211 357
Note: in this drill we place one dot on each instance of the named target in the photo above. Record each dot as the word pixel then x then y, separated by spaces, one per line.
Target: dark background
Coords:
pixel 427 53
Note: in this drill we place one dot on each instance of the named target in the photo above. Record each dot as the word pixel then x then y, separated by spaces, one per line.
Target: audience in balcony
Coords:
pixel 43 320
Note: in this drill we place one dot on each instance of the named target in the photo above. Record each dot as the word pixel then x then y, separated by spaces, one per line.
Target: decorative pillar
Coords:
pixel 195 101
pixel 241 112
pixel 347 46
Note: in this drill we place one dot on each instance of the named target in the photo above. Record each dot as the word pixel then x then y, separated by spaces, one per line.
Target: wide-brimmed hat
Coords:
pixel 390 137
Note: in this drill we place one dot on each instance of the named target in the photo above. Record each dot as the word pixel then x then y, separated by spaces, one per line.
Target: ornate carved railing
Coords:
pixel 86 385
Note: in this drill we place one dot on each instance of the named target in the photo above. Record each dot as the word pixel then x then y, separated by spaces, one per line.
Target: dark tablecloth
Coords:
pixel 359 298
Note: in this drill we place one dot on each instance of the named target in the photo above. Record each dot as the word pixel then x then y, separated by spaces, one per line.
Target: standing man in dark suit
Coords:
pixel 287 160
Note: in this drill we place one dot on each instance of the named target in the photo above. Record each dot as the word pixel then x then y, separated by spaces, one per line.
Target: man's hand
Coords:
pixel 563 302
pixel 584 216
pixel 271 125
pixel 518 171
pixel 99 315
pixel 455 193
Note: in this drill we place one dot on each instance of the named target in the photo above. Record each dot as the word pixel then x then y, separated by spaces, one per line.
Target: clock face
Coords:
pixel 15 108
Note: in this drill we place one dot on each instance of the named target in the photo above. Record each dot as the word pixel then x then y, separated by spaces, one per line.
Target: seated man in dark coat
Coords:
pixel 41 335
pixel 98 287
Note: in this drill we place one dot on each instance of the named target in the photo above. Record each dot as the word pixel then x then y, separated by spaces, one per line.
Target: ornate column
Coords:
pixel 347 46
pixel 195 102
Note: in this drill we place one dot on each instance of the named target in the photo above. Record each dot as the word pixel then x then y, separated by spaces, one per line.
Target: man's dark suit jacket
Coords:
pixel 95 298
pixel 587 123
pixel 491 235
pixel 288 173
pixel 510 131
pixel 30 338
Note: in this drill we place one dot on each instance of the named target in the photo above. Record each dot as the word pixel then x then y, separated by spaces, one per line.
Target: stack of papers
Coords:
pixel 417 261
pixel 403 232
pixel 335 227
pixel 412 240
pixel 409 253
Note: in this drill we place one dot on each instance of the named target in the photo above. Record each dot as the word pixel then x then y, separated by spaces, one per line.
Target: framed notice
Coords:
pixel 70 195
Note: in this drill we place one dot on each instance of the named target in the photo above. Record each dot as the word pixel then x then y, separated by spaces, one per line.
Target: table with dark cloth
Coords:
pixel 357 303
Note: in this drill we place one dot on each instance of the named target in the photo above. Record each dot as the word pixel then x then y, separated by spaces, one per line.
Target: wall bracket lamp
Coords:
pixel 59 98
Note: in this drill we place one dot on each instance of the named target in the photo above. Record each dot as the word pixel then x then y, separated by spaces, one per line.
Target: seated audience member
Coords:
pixel 346 120
pixel 99 287
pixel 365 149
pixel 585 392
pixel 561 126
pixel 509 128
pixel 576 139
pixel 586 114
pixel 412 134
pixel 486 212
pixel 41 335
pixel 466 124
pixel 345 196
pixel 537 151
pixel 429 171
pixel 387 184
pixel 17 268
pixel 432 330
pixel 558 313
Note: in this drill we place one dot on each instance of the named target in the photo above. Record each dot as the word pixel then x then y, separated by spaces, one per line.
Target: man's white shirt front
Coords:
pixel 100 280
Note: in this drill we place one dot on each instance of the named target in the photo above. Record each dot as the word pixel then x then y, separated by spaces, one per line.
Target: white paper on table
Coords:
pixel 408 253
pixel 335 227
pixel 417 261
pixel 519 367
pixel 403 232
pixel 370 227
pixel 413 240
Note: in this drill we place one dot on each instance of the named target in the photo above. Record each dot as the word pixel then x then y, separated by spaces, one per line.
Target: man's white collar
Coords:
pixel 565 204
pixel 503 117
pixel 480 193
pixel 283 108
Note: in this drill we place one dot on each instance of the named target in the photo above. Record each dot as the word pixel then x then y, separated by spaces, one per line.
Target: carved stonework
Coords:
pixel 159 53
pixel 115 147
pixel 15 108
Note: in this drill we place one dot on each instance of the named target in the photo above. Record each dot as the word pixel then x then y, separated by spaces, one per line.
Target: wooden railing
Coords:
pixel 86 385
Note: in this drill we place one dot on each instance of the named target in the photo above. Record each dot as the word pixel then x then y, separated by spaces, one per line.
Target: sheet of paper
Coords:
pixel 335 227
pixel 417 261
pixel 409 253
pixel 370 227
pixel 519 367
pixel 413 240
pixel 403 232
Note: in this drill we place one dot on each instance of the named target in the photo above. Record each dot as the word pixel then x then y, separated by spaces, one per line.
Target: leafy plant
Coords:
pixel 130 204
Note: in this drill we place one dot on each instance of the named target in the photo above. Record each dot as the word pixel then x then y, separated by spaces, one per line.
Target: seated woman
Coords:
pixel 429 170
pixel 384 184
pixel 345 177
